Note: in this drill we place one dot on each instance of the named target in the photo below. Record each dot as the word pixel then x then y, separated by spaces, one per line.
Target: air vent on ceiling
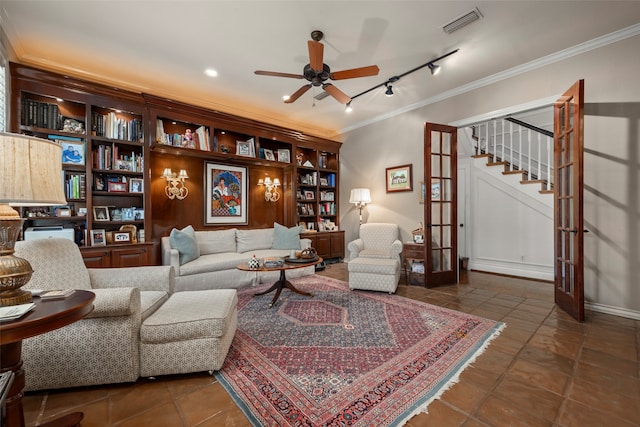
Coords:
pixel 462 21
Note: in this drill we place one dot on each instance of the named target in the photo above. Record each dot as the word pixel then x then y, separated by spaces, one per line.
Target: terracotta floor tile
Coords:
pixel 575 414
pixel 563 347
pixel 602 398
pixel 482 378
pixel 529 397
pixel 605 360
pixel 139 399
pixel 500 413
pixel 532 373
pixel 158 416
pixel 548 360
pixel 439 414
pixel 619 384
pixel 464 396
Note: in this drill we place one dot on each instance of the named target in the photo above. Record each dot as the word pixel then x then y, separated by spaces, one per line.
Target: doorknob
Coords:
pixel 461 225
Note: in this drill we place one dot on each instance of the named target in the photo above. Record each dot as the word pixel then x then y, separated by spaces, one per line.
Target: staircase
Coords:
pixel 519 147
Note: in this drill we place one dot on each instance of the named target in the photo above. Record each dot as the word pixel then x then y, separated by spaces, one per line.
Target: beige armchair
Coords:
pixel 375 258
pixel 102 348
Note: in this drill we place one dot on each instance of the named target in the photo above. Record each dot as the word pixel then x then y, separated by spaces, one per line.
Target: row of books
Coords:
pixel 75 186
pixel 111 126
pixel 41 114
pixel 328 179
pixel 108 157
pixel 308 178
pixel 328 208
pixel 198 140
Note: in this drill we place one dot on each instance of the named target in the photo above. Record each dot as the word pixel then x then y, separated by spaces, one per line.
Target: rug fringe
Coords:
pixel 454 377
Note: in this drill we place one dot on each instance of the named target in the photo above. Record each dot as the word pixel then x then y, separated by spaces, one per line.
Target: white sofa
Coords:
pixel 220 251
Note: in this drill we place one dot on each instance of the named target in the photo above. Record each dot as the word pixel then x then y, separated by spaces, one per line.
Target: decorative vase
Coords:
pixel 254 263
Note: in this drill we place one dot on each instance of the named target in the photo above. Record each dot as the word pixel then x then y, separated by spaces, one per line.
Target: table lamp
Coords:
pixel 360 197
pixel 30 175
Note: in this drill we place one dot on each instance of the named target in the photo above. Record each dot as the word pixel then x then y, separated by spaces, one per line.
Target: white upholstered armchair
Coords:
pixel 375 258
pixel 103 347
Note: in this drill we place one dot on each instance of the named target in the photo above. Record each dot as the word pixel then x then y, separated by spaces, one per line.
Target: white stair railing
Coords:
pixel 532 154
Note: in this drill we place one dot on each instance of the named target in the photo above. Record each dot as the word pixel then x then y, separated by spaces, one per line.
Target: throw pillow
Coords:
pixel 286 238
pixel 185 242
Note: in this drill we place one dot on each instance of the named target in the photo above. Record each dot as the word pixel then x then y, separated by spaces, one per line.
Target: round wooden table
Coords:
pixel 282 281
pixel 44 317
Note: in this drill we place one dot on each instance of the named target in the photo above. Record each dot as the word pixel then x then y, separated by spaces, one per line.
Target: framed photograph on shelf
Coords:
pixel 311 226
pixel 399 179
pixel 246 148
pixel 121 237
pixel 72 153
pixel 135 185
pixel 284 155
pixel 100 213
pixel 128 214
pixel 98 238
pixel 268 154
pixel 225 195
pixel 117 187
pixel 308 195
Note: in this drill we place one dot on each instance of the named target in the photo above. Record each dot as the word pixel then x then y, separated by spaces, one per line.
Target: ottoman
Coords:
pixel 374 274
pixel 191 332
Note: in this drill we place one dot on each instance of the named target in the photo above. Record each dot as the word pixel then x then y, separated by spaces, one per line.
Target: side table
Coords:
pixel 411 252
pixel 44 317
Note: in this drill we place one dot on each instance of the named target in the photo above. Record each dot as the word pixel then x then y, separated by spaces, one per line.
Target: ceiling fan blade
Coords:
pixel 339 95
pixel 371 70
pixel 276 74
pixel 316 53
pixel 297 94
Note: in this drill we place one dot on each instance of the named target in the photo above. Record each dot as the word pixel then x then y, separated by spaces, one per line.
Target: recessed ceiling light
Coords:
pixel 211 72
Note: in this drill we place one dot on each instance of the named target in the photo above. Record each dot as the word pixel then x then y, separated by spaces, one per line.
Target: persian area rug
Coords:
pixel 344 357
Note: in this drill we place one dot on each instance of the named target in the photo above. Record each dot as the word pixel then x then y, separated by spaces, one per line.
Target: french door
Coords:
pixel 568 201
pixel 441 204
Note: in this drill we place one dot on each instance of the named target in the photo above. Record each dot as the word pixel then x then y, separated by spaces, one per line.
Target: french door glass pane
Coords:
pixel 435 142
pixel 446 167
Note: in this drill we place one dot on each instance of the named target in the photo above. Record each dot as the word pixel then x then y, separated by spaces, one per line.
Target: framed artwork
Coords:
pixel 135 185
pixel 98 238
pixel 72 153
pixel 63 212
pixel 225 194
pixel 423 192
pixel 309 195
pixel 100 213
pixel 399 179
pixel 284 155
pixel 268 154
pixel 128 214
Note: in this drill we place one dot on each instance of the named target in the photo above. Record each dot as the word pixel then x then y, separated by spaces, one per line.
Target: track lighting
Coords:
pixel 435 69
pixel 348 108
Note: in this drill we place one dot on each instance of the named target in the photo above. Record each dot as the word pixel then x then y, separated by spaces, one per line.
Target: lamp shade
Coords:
pixel 30 171
pixel 360 195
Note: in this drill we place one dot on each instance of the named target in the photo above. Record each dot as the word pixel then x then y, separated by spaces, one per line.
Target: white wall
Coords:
pixel 612 158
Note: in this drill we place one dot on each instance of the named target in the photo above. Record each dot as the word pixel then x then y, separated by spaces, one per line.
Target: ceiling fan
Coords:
pixel 317 72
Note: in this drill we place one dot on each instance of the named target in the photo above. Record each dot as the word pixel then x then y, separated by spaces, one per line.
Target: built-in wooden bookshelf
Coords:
pixel 129 138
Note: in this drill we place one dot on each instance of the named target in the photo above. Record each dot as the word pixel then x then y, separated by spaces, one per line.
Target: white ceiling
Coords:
pixel 163 48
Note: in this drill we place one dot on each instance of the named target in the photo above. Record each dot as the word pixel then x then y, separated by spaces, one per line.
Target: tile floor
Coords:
pixel 545 369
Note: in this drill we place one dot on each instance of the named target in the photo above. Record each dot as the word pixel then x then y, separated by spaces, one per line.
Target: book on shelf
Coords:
pixel 56 294
pixel 13 312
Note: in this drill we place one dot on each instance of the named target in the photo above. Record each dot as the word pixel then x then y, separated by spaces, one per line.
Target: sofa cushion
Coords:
pixel 185 242
pixel 150 301
pixel 286 238
pixel 251 240
pixel 215 242
pixel 213 262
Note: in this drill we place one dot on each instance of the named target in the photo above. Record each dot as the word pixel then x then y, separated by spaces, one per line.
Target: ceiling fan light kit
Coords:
pixel 316 72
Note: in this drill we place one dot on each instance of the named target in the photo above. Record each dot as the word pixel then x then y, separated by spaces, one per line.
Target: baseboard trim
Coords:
pixel 615 311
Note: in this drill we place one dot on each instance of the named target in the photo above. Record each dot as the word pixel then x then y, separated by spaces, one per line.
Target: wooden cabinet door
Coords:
pixel 323 245
pixel 337 244
pixel 96 257
pixel 134 256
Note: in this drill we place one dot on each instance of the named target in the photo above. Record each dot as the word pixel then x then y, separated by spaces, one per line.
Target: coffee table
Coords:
pixel 282 281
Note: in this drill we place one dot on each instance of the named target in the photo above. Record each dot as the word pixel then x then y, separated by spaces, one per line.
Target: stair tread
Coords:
pixel 546 191
pixel 532 181
pixel 496 163
pixel 514 172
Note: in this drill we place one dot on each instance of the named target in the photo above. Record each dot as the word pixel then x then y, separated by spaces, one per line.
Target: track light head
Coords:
pixel 389 91
pixel 347 108
pixel 435 69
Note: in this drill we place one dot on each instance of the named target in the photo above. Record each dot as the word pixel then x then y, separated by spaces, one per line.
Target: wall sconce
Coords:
pixel 175 184
pixel 270 188
pixel 360 197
